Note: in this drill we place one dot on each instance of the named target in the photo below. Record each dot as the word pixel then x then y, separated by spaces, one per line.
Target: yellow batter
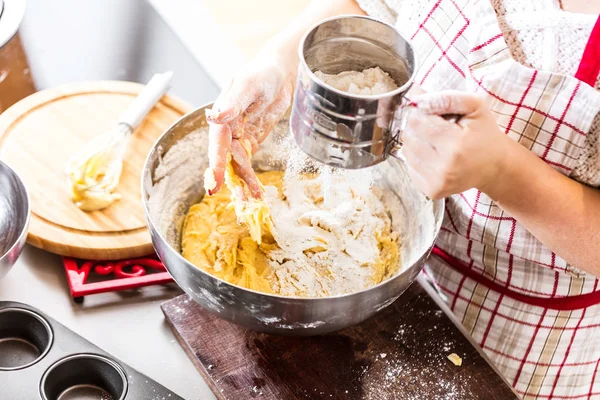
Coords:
pixel 101 173
pixel 214 241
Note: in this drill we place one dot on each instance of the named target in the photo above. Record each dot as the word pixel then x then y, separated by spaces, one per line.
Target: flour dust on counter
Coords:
pixel 399 354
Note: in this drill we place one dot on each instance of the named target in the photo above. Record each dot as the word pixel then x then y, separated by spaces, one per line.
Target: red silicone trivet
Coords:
pixel 112 276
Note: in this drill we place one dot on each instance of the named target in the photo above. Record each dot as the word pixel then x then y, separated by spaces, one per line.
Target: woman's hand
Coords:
pixel 247 111
pixel 243 116
pixel 445 158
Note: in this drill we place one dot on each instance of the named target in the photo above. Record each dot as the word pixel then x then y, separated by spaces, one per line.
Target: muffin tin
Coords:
pixel 42 359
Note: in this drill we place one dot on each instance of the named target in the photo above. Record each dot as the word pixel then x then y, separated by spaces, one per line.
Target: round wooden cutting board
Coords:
pixel 40 133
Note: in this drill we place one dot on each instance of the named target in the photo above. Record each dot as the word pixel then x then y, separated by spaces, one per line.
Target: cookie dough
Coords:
pixel 318 236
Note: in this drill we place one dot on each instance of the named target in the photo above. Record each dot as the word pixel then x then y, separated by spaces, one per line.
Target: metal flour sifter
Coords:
pixel 342 129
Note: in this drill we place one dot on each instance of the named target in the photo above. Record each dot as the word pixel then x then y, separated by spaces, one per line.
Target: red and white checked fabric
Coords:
pixel 536 316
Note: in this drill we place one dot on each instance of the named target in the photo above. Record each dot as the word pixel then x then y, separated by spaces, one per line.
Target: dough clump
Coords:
pixel 328 235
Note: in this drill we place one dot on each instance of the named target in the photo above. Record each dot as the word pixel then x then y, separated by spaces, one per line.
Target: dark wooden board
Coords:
pixel 401 353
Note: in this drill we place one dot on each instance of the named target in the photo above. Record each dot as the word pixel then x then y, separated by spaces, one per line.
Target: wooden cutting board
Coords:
pixel 38 135
pixel 399 354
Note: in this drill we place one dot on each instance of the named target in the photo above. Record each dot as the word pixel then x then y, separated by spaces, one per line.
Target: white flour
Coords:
pixel 327 230
pixel 176 183
pixel 368 82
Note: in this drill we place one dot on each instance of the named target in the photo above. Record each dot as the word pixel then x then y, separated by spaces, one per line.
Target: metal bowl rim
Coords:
pixel 27 210
pixel 189 265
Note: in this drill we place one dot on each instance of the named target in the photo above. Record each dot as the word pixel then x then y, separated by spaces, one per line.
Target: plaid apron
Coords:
pixel 536 316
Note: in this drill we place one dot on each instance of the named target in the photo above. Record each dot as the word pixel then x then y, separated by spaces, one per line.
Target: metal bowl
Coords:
pixel 172 181
pixel 14 218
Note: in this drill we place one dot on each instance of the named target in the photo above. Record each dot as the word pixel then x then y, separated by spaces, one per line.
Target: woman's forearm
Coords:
pixel 447 158
pixel 560 212
pixel 285 44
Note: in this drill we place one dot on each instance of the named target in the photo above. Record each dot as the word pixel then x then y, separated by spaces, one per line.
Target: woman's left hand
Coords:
pixel 445 158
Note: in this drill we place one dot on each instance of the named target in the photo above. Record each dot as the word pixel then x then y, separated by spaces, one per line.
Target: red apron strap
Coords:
pixel 589 67
pixel 556 303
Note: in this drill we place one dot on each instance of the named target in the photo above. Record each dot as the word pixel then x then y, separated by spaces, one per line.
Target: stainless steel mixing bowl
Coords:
pixel 172 181
pixel 14 218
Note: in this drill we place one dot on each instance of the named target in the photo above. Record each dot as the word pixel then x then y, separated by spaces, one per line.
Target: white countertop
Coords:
pixel 129 325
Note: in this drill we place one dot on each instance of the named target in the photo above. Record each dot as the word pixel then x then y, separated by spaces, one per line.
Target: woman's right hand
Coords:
pixel 244 115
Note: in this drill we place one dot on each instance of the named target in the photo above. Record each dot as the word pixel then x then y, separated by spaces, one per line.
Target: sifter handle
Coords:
pixel 396 144
pixel 452 117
